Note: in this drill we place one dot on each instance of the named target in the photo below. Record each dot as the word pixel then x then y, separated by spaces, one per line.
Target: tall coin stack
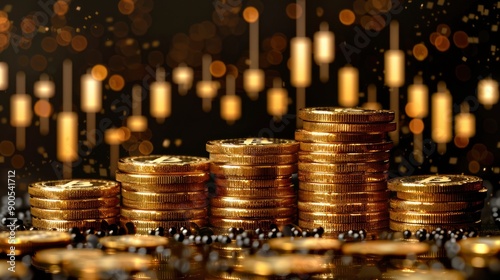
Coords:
pixel 163 191
pixel 253 178
pixel 81 203
pixel 343 164
pixel 431 201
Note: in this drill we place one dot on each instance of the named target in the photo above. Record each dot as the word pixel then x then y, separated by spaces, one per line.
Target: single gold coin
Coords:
pixel 324 157
pixel 302 135
pixel 349 127
pixel 167 188
pixel 164 197
pixel 444 197
pixel 339 187
pixel 124 242
pixel 235 159
pixel 342 218
pixel 340 178
pixel 250 224
pixel 74 204
pixel 163 164
pixel 244 183
pixel 330 197
pixel 159 206
pixel 385 248
pixel 156 215
pixel 400 226
pixel 442 274
pixel 258 171
pixel 480 246
pixel 253 213
pixel 345 115
pixel 64 225
pixel 144 226
pixel 338 228
pixel 346 147
pixel 253 146
pixel 255 192
pixel 94 268
pixel 343 167
pixel 252 203
pixel 288 244
pixel 80 214
pixel 419 206
pixel 26 242
pixel 283 265
pixel 436 183
pixel 434 218
pixel 343 207
pixel 74 189
pixel 171 178
pixel 53 260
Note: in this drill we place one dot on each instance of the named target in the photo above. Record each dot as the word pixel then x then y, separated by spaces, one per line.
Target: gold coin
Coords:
pixel 249 223
pixel 74 189
pixel 231 250
pixel 337 228
pixel 349 127
pixel 408 205
pixel 53 260
pixel 142 205
pixel 163 164
pixel 144 226
pixel 73 204
pixel 346 147
pixel 255 193
pixel 341 218
pixel 235 159
pixel 243 183
pixel 172 178
pixel 342 207
pixel 283 265
pixel 94 268
pixel 124 242
pixel 258 171
pixel 339 187
pixel 302 135
pixel 26 242
pixel 344 167
pixel 252 146
pixel 253 213
pixel 436 183
pixel 170 188
pixel 80 214
pixel 486 246
pixel 345 115
pixel 444 197
pixel 304 244
pixel 339 178
pixel 154 215
pixel 164 197
pixel 63 225
pixel 399 226
pixel 236 202
pixel 443 274
pixel 330 197
pixel 343 157
pixel 434 218
pixel 385 248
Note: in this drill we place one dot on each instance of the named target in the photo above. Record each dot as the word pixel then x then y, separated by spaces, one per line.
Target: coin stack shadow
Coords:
pixel 343 164
pixel 81 203
pixel 163 191
pixel 436 201
pixel 253 183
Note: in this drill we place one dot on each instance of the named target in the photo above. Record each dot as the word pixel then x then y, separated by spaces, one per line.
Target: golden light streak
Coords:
pixel 418 99
pixel 91 103
pixel 253 82
pixel 441 117
pixel 21 113
pixel 230 103
pixel 137 122
pixel 183 76
pixel 113 137
pixel 4 76
pixel 348 79
pixel 487 92
pixel 44 88
pixel 394 61
pixel 324 50
pixel 301 18
pixel 300 62
pixel 67 137
pixel 67 85
pixel 372 103
pixel 161 97
pixel 277 100
pixel 465 123
pixel 206 88
pixel 253 78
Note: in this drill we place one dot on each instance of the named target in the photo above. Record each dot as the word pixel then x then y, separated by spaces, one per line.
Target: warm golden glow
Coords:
pixel 442 117
pixel 465 125
pixel 67 136
pixel 416 126
pixel 116 82
pixel 183 76
pixel 43 108
pixel 324 45
pixel 347 17
pixel 161 100
pixel 217 68
pixel 277 101
pixel 44 89
pixel 253 82
pixel 418 101
pixel 4 76
pixel 230 108
pixel 487 92
pixel 250 14
pixel 348 86
pixel 207 89
pixel 99 72
pixel 137 123
pixel 420 51
pixel 91 94
pixel 394 67
pixel 113 136
pixel 300 62
pixel 21 113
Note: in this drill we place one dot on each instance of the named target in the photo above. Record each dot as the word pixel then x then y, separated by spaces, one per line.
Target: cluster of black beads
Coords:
pixel 352 235
pixel 441 235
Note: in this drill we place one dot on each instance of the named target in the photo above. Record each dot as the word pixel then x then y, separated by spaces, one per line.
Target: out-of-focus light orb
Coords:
pixel 7 148
pixel 279 42
pixel 99 72
pixel 487 92
pixel 217 68
pixel 461 142
pixel 417 126
pixel 146 147
pixel 347 17
pixel 126 7
pixel 442 43
pixel 461 39
pixel 79 43
pixel 250 14
pixel 43 108
pixel 293 11
pixel 116 82
pixel 420 51
pixel 444 29
pixel 61 8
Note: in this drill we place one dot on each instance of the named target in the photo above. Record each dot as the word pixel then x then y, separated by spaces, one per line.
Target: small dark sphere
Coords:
pixel 407 234
pixel 90 231
pixel 151 232
pixel 274 226
pixel 100 233
pixel 160 231
pixel 178 237
pixel 172 231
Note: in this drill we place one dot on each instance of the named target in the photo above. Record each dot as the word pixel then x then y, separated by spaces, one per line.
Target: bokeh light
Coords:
pixel 116 82
pixel 420 51
pixel 43 108
pixel 250 14
pixel 217 68
pixel 99 72
pixel 293 11
pixel 347 17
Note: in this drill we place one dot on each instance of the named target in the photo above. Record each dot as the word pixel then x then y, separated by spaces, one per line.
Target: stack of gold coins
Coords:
pixel 163 191
pixel 253 183
pixel 81 203
pixel 343 164
pixel 431 201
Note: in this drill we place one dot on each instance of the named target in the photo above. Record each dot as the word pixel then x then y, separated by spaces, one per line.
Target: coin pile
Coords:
pixel 431 201
pixel 81 203
pixel 253 178
pixel 343 163
pixel 163 191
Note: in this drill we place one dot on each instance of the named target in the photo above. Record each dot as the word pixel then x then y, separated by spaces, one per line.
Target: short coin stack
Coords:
pixel 81 203
pixel 253 183
pixel 343 164
pixel 431 201
pixel 163 191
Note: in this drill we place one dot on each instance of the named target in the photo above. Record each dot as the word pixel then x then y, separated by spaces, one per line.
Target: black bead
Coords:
pixel 178 237
pixel 100 233
pixel 274 226
pixel 130 228
pixel 206 239
pixel 258 231
pixel 160 231
pixel 74 230
pixel 407 234
pixel 151 232
pixel 172 231
pixel 89 231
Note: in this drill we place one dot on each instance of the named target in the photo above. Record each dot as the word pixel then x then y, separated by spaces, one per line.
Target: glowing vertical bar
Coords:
pixel 91 103
pixel 21 112
pixel 4 76
pixel 348 86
